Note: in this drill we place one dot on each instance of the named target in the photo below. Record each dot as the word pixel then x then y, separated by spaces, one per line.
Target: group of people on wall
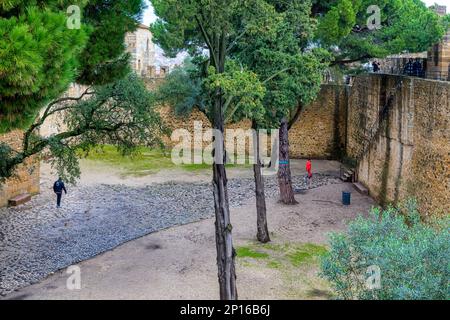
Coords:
pixel 413 68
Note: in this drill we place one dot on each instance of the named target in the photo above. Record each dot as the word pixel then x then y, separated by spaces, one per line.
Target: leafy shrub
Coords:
pixel 413 257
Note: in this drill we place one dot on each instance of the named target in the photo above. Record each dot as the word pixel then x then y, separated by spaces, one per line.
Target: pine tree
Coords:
pixel 40 55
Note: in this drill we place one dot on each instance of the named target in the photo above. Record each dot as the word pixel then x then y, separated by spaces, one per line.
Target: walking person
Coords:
pixel 58 188
pixel 309 172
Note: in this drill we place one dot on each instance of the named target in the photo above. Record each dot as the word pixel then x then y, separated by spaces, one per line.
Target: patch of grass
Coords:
pixel 144 161
pixel 296 263
pixel 274 264
pixel 246 252
pixel 306 254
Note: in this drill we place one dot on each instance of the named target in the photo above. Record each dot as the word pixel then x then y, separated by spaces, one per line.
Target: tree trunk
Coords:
pixel 284 172
pixel 261 211
pixel 224 243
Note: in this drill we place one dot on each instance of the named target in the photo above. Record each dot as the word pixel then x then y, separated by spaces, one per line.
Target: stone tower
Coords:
pixel 142 49
pixel 438 64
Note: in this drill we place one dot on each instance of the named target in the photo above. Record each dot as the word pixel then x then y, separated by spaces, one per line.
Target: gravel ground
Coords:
pixel 37 239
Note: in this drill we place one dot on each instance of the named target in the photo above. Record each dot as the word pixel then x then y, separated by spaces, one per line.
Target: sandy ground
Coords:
pixel 179 263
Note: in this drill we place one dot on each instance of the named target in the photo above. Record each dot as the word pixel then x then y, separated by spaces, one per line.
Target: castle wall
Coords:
pixel 26 179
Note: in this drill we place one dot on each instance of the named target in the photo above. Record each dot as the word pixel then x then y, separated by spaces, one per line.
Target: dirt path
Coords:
pixel 179 263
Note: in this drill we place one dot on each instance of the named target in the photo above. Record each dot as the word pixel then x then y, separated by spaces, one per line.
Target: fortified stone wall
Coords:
pixel 319 133
pixel 411 156
pixel 27 175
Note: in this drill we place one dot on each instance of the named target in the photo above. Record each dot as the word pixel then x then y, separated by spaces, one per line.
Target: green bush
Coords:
pixel 413 257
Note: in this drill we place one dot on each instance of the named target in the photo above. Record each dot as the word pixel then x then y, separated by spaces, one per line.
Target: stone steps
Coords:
pixel 360 188
pixel 18 200
pixel 347 175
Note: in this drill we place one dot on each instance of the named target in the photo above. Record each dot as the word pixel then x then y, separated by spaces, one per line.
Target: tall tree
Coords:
pixel 104 58
pixel 292 73
pixel 353 31
pixel 243 93
pixel 208 25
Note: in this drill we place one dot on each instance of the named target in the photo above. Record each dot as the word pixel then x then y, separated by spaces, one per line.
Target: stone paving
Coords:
pixel 37 239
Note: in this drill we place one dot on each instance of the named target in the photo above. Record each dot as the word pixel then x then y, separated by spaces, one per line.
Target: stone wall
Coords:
pixel 439 59
pixel 27 175
pixel 319 133
pixel 411 155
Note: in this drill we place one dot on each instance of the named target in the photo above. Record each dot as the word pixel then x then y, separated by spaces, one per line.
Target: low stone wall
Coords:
pixel 26 179
pixel 411 156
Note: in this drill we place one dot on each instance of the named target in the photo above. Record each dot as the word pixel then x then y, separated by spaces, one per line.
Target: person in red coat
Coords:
pixel 309 171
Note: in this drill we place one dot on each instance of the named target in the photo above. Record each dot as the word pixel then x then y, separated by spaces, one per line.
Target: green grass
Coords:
pixel 274 264
pixel 305 254
pixel 246 252
pixel 296 263
pixel 143 162
pixel 282 254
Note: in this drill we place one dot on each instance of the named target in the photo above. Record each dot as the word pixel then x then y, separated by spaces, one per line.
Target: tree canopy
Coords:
pixel 40 56
pixel 352 30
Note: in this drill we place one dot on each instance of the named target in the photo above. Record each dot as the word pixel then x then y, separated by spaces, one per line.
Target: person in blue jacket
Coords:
pixel 58 188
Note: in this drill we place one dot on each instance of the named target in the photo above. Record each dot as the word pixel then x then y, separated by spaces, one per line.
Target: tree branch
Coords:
pixel 296 116
pixel 208 42
pixel 342 62
pixel 276 75
pixel 47 113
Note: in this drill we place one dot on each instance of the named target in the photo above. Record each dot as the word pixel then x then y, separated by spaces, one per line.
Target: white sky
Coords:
pixel 440 2
pixel 149 15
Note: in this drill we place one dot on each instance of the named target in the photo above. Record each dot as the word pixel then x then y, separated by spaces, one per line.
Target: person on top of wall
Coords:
pixel 409 68
pixel 417 68
pixel 58 188
pixel 309 172
pixel 376 66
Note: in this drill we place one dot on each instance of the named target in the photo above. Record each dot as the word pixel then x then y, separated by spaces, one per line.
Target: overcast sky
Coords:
pixel 149 15
pixel 441 2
